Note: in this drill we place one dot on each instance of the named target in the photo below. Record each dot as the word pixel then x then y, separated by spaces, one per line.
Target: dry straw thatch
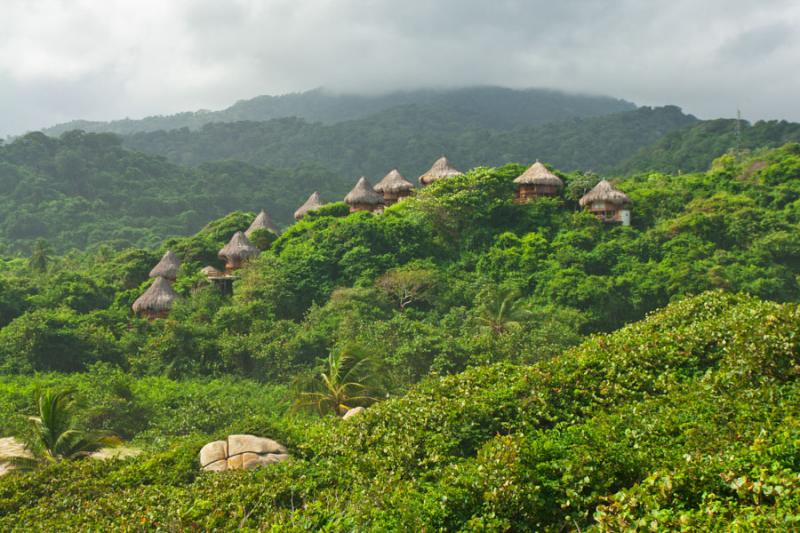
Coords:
pixel 157 299
pixel 604 192
pixel 238 249
pixel 537 174
pixel 394 184
pixel 211 272
pixel 440 169
pixel 363 195
pixel 314 202
pixel 262 221
pixel 167 267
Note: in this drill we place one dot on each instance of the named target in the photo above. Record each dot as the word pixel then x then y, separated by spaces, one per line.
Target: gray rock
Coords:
pixel 249 443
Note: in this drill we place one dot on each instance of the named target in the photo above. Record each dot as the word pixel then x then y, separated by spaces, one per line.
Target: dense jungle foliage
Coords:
pixel 411 137
pixel 495 107
pixel 508 391
pixel 687 420
pixel 691 149
pixel 84 189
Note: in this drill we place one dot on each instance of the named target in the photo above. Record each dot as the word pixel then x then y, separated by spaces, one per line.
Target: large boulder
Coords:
pixel 241 452
pixel 353 412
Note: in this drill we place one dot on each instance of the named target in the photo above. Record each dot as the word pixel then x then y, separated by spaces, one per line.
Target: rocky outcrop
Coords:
pixel 9 448
pixel 241 452
pixel 353 412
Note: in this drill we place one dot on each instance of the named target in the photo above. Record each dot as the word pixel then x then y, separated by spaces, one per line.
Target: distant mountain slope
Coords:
pixel 494 107
pixel 82 189
pixel 693 149
pixel 411 137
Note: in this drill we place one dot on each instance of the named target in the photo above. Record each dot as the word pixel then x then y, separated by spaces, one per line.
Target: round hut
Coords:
pixel 156 301
pixel 314 202
pixel 238 251
pixel 440 169
pixel 535 182
pixel 211 272
pixel 363 197
pixel 394 187
pixel 262 221
pixel 167 268
pixel 607 203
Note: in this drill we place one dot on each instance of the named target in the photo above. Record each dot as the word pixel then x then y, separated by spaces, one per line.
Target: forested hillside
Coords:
pixel 693 148
pixel 84 189
pixel 512 376
pixel 495 107
pixel 411 137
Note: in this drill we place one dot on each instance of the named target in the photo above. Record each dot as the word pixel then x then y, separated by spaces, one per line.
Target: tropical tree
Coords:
pixel 501 309
pixel 346 380
pixel 55 436
pixel 40 256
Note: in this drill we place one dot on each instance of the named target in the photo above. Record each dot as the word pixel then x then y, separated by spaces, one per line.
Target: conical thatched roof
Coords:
pixel 167 267
pixel 537 174
pixel 440 169
pixel 314 202
pixel 239 248
pixel 262 221
pixel 210 271
pixel 605 192
pixel 393 183
pixel 158 298
pixel 363 193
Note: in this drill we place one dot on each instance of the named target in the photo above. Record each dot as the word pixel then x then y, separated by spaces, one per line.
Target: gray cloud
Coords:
pixel 64 59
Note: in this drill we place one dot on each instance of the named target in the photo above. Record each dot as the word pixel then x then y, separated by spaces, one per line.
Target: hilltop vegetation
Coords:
pixel 516 378
pixel 495 107
pixel 329 281
pixel 693 148
pixel 84 189
pixel 687 420
pixel 411 137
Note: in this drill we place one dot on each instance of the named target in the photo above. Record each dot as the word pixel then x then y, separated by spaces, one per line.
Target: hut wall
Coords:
pixel 528 192
pixel 153 315
pixel 609 212
pixel 366 207
pixel 392 198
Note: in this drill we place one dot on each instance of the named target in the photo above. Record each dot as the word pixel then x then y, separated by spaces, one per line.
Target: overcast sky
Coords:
pixel 105 59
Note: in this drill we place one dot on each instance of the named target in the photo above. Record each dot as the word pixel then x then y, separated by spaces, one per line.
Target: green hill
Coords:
pixel 692 149
pixel 410 138
pixel 494 107
pixel 687 420
pixel 524 366
pixel 83 189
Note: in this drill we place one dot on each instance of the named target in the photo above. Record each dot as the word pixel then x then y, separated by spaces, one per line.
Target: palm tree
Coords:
pixel 55 436
pixel 502 310
pixel 344 383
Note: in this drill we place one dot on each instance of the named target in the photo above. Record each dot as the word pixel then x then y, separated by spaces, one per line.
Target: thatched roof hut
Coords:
pixel 363 197
pixel 157 300
pixel 262 221
pixel 604 192
pixel 536 181
pixel 167 267
pixel 394 187
pixel 440 169
pixel 238 250
pixel 314 202
pixel 607 203
pixel 211 272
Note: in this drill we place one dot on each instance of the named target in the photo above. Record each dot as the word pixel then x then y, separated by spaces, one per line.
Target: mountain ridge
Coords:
pixel 498 107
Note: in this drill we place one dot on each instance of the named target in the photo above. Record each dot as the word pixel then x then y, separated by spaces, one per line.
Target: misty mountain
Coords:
pixel 493 107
